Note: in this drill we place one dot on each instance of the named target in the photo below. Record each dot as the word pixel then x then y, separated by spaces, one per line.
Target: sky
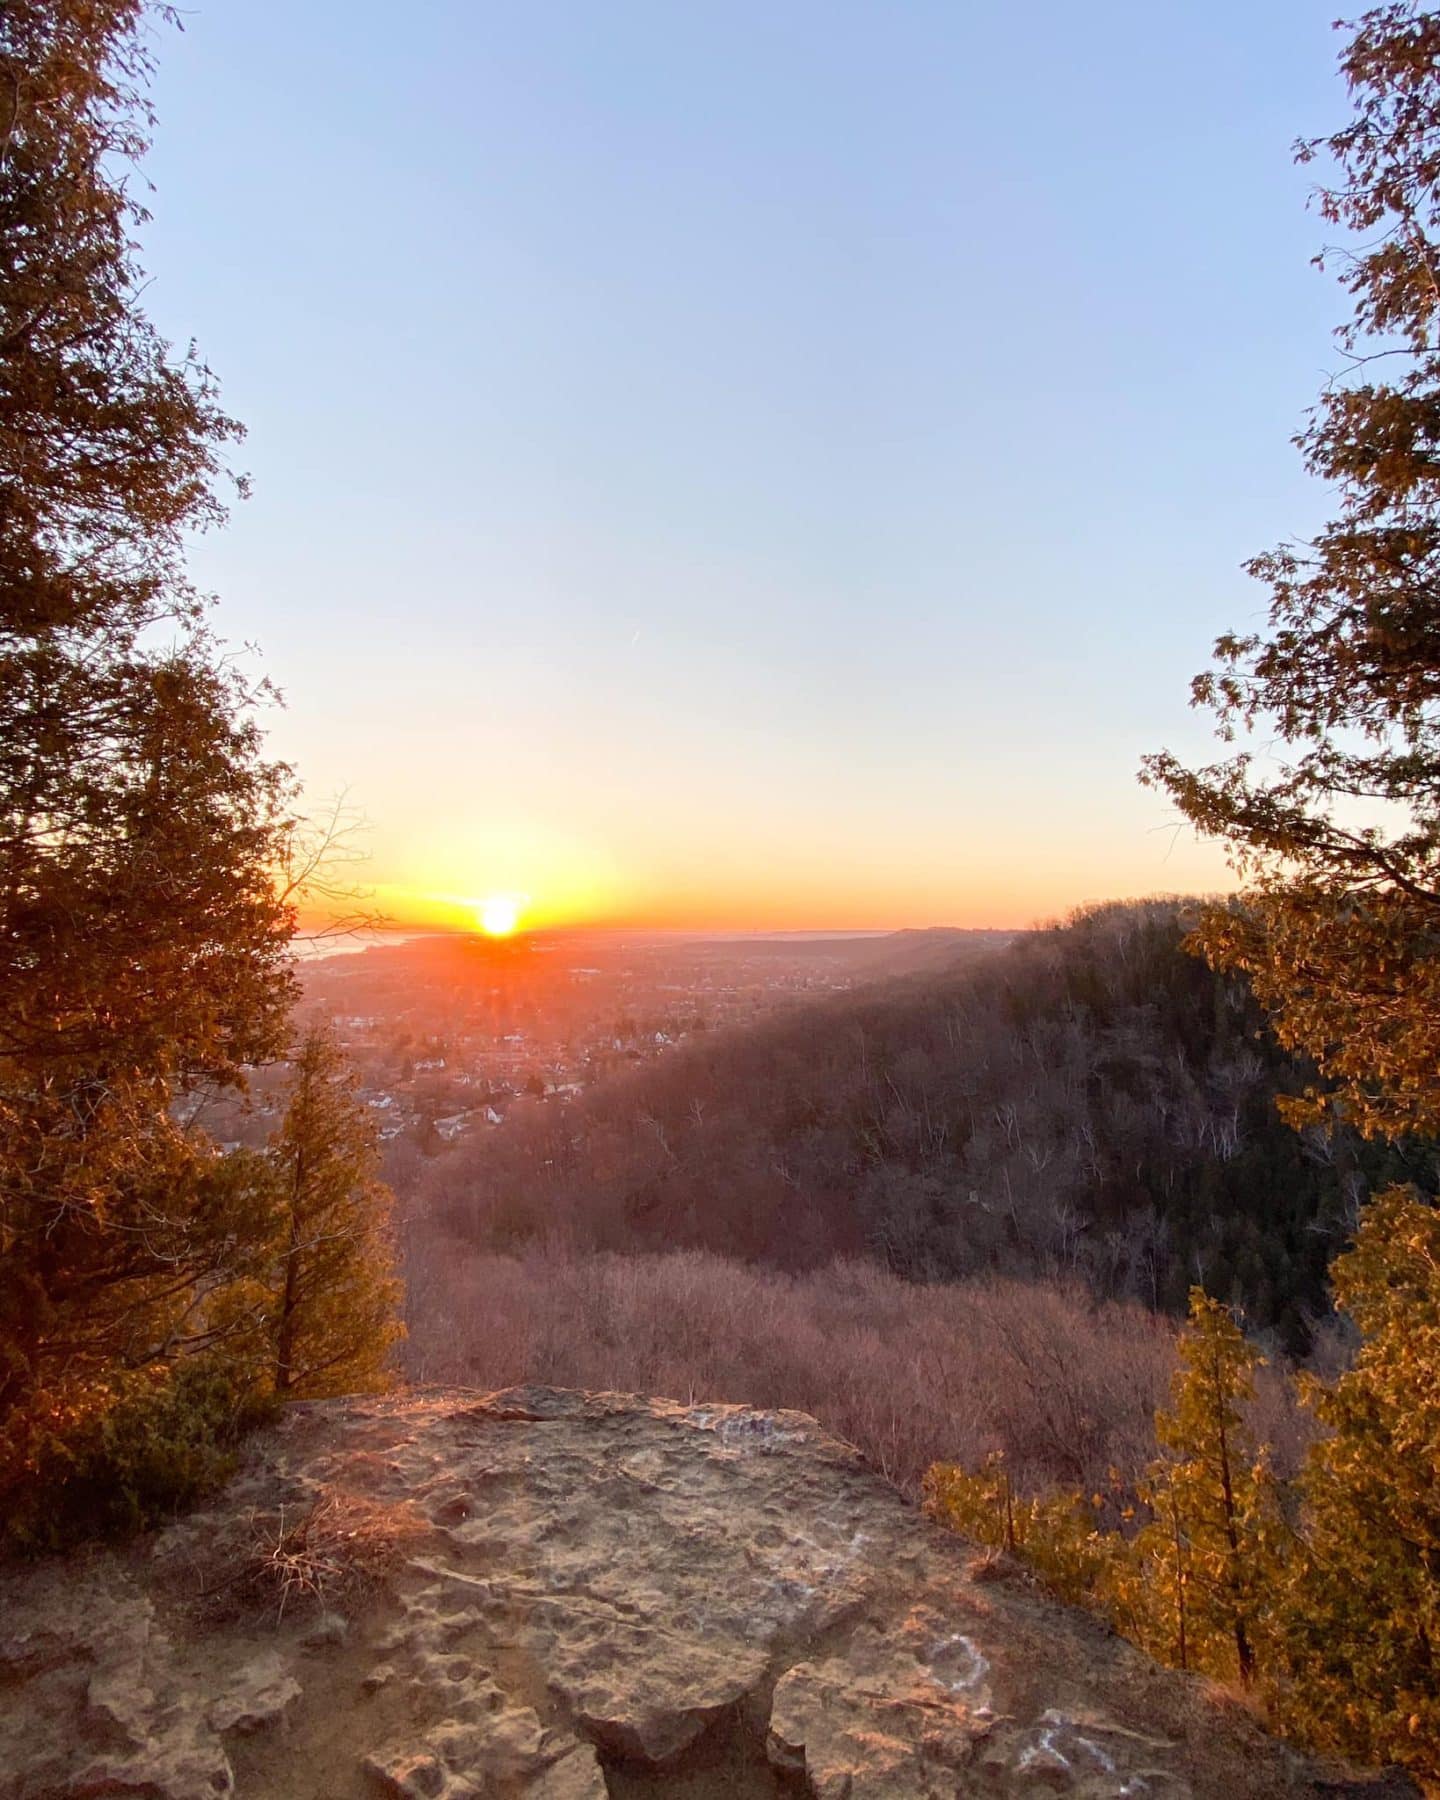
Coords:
pixel 764 466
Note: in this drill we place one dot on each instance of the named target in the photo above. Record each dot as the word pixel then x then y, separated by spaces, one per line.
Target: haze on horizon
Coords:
pixel 748 469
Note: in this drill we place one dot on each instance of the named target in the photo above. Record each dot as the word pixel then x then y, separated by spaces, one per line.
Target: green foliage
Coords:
pixel 1058 1535
pixel 1361 1620
pixel 307 1307
pixel 145 1445
pixel 333 1295
pixel 148 858
pixel 1191 1570
pixel 1339 936
pixel 1333 1619
pixel 1206 1563
pixel 1339 838
pixel 1338 835
pixel 144 939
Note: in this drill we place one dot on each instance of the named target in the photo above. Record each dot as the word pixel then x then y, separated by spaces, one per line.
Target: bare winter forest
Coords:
pixel 949 1215
pixel 1065 1385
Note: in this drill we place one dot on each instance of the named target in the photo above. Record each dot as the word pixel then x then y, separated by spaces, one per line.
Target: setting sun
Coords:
pixel 499 914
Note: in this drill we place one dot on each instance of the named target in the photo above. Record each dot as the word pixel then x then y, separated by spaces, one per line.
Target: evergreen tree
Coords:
pixel 1057 1534
pixel 1205 1566
pixel 1197 1583
pixel 334 1294
pixel 1362 1616
pixel 143 943
pixel 1339 836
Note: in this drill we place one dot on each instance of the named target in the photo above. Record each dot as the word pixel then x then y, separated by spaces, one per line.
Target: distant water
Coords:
pixel 312 949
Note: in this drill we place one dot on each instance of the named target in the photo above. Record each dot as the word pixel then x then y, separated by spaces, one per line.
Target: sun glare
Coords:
pixel 499 914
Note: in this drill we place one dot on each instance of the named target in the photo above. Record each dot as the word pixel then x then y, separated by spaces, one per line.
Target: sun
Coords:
pixel 499 914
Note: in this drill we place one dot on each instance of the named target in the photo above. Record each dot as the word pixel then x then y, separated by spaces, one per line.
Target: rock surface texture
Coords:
pixel 569 1596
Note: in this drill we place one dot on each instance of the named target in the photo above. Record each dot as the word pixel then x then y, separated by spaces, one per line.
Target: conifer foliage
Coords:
pixel 1205 1562
pixel 1361 1650
pixel 1338 832
pixel 1321 1595
pixel 144 929
pixel 143 947
pixel 1189 1565
pixel 1340 931
pixel 334 1296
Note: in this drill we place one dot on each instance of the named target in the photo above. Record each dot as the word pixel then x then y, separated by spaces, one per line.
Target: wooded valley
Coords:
pixel 1092 1104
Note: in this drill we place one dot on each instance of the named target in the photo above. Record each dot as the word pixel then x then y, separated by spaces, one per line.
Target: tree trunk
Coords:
pixel 1244 1655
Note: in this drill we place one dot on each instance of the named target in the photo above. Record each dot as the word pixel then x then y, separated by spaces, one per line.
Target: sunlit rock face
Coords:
pixel 566 1596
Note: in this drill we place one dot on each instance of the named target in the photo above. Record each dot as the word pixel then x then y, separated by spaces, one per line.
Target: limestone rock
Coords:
pixel 260 1694
pixel 894 1712
pixel 408 1774
pixel 328 1630
pixel 91 1703
pixel 541 1590
pixel 577 1776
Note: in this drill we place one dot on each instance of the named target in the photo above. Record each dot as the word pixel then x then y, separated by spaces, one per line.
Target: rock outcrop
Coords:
pixel 568 1596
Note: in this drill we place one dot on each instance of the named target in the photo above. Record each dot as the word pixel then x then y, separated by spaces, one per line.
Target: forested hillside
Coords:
pixel 1093 1100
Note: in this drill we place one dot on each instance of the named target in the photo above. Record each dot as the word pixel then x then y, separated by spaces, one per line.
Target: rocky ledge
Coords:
pixel 567 1596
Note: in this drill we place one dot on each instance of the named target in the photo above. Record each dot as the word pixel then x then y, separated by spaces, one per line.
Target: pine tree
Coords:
pixel 1362 1615
pixel 334 1294
pixel 1206 1564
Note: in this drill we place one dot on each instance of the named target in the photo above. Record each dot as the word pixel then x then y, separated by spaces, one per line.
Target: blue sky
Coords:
pixel 761 464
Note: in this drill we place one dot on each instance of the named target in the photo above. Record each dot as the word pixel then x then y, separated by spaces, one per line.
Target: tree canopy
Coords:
pixel 1337 831
pixel 334 1295
pixel 144 945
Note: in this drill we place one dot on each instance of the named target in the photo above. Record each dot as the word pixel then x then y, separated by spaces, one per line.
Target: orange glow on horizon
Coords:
pixel 530 886
pixel 731 861
pixel 497 913
pixel 505 914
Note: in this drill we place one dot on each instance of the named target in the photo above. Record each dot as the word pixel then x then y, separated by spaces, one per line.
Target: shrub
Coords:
pixel 124 1457
pixel 911 1374
pixel 1058 1535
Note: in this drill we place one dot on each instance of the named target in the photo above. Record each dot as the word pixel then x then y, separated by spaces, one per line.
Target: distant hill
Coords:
pixel 868 955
